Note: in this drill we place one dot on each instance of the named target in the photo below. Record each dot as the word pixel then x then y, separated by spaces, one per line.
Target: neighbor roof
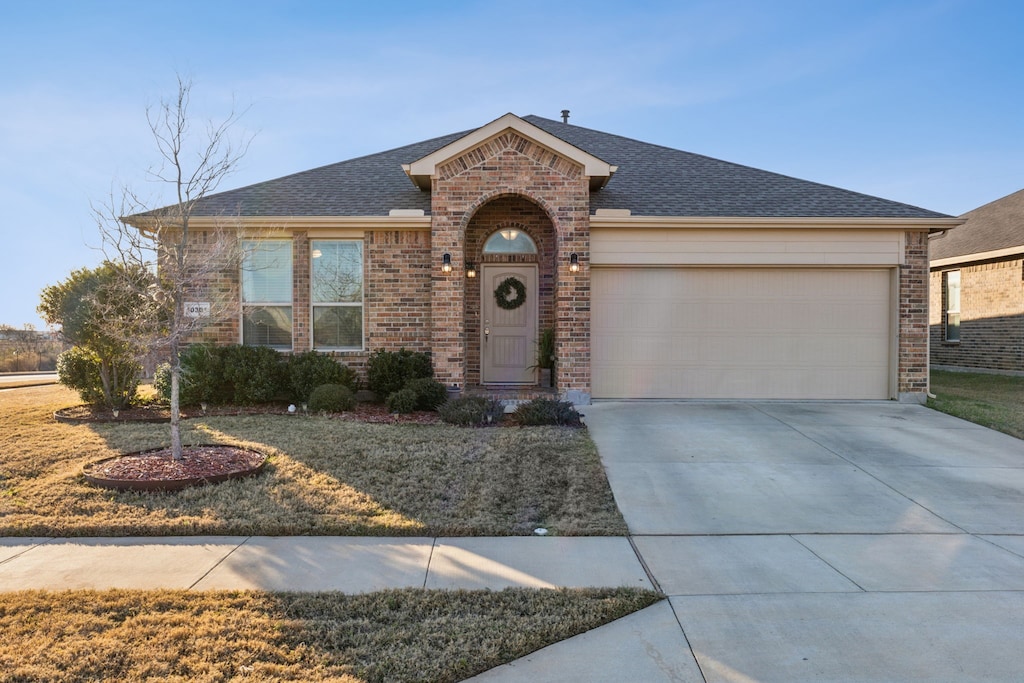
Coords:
pixel 651 181
pixel 994 227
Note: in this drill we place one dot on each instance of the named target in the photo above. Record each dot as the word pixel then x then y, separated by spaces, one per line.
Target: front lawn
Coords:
pixel 995 401
pixel 325 476
pixel 400 635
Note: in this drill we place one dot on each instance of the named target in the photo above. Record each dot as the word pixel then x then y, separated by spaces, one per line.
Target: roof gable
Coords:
pixel 422 170
pixel 995 229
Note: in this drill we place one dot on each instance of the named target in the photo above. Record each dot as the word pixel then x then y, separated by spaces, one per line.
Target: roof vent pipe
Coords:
pixel 565 116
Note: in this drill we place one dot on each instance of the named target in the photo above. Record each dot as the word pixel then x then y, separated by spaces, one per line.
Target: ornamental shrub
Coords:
pixel 202 376
pixel 402 401
pixel 257 374
pixel 307 371
pixel 430 393
pixel 472 411
pixel 546 411
pixel 83 371
pixel 331 398
pixel 388 371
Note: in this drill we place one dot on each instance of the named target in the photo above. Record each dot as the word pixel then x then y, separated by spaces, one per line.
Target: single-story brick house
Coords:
pixel 663 274
pixel 977 289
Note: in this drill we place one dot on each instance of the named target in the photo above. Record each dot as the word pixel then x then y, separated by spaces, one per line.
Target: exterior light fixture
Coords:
pixel 574 262
pixel 510 234
pixel 446 263
pixel 470 270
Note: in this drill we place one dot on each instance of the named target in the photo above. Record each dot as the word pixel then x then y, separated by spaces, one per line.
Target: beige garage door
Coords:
pixel 740 333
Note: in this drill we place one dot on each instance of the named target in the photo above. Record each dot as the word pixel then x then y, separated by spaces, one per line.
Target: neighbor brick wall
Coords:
pixel 913 317
pixel 991 317
pixel 503 166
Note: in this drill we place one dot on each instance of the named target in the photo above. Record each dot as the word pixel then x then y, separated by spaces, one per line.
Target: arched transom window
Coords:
pixel 509 241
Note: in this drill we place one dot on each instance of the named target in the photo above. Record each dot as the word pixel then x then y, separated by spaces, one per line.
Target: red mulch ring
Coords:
pixel 156 470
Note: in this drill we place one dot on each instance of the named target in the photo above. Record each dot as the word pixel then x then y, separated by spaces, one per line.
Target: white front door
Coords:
pixel 509 343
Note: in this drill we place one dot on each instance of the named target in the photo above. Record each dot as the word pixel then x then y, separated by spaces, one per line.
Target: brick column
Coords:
pixel 913 333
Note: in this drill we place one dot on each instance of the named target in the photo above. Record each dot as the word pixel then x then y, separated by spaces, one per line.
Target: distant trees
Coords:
pixel 28 349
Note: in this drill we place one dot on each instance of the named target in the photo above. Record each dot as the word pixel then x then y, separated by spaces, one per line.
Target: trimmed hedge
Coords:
pixel 389 371
pixel 250 375
pixel 331 398
pixel 546 411
pixel 472 411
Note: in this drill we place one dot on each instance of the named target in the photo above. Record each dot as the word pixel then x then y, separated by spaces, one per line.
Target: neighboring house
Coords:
pixel 977 289
pixel 664 274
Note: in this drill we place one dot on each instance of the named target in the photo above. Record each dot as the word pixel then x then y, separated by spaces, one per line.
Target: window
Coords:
pixel 509 241
pixel 337 296
pixel 952 287
pixel 267 294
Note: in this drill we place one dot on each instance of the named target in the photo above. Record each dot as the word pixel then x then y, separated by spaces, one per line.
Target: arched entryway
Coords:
pixel 511 243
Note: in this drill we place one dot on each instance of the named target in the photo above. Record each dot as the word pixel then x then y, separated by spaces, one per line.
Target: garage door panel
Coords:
pixel 740 333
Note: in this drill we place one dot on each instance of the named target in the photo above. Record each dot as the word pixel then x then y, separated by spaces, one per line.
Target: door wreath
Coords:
pixel 504 291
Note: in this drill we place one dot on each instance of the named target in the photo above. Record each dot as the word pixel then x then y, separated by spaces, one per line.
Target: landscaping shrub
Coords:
pixel 402 401
pixel 202 376
pixel 331 398
pixel 257 374
pixel 307 371
pixel 82 370
pixel 430 393
pixel 546 411
pixel 388 371
pixel 472 411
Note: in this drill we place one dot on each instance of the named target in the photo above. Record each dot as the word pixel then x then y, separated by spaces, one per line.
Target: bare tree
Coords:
pixel 189 256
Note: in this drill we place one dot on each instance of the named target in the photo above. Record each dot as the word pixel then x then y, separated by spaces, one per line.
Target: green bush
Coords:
pixel 388 371
pixel 430 393
pixel 472 411
pixel 402 401
pixel 546 411
pixel 162 382
pixel 202 376
pixel 82 370
pixel 331 398
pixel 307 371
pixel 257 374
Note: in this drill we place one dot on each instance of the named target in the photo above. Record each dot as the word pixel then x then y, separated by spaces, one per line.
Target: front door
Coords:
pixel 508 347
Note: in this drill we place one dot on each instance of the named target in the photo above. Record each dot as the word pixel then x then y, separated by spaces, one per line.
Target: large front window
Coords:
pixel 337 294
pixel 267 293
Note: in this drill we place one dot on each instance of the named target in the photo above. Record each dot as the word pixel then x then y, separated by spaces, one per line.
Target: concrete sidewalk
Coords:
pixel 318 563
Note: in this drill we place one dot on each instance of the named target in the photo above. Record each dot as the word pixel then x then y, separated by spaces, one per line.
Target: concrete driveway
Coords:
pixel 825 541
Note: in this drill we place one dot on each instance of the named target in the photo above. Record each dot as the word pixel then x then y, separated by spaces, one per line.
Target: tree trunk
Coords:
pixel 175 404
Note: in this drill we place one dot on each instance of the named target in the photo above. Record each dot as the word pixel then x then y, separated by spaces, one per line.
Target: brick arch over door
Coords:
pixel 508 211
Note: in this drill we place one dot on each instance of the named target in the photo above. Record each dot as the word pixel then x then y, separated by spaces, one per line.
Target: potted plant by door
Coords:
pixel 546 356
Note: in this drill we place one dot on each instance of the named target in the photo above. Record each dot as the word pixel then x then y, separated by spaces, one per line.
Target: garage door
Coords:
pixel 787 333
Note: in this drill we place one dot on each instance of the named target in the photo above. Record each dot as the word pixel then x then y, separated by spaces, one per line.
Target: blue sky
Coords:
pixel 919 101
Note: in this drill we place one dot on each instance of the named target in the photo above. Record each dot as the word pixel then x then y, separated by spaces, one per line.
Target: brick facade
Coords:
pixel 912 373
pixel 509 170
pixel 991 316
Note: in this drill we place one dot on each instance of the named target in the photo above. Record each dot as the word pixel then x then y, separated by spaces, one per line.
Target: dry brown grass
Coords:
pixel 325 476
pixel 399 635
pixel 995 401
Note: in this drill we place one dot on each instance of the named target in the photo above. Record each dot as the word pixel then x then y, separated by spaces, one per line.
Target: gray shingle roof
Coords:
pixel 651 181
pixel 994 226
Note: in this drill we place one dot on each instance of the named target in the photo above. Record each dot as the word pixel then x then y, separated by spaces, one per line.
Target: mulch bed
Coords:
pixel 374 413
pixel 158 470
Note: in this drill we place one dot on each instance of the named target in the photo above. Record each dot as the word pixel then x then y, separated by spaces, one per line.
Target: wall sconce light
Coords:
pixel 446 263
pixel 470 270
pixel 574 262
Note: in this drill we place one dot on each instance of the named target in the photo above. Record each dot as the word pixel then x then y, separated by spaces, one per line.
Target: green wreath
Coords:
pixel 505 289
